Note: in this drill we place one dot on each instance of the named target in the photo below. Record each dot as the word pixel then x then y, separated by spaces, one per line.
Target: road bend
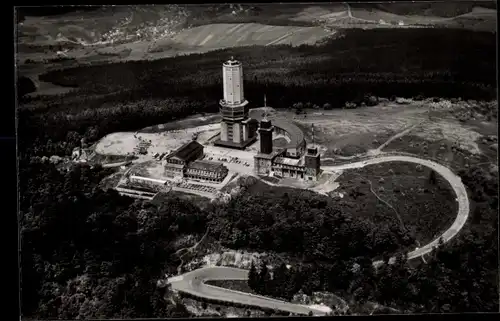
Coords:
pixel 193 282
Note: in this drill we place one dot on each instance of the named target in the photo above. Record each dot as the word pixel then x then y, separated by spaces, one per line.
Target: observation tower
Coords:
pixel 235 124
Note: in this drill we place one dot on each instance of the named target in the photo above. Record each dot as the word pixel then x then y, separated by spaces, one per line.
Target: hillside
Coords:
pixel 400 62
pixel 140 26
pixel 445 9
pixel 246 34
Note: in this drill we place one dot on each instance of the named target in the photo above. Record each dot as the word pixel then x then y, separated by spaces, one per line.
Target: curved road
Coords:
pixel 193 282
pixel 454 180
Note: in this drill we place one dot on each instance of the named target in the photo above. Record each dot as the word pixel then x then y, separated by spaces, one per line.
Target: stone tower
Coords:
pixel 266 136
pixel 312 161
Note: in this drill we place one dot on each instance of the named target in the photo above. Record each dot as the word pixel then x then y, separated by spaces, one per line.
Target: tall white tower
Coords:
pixel 234 124
pixel 232 77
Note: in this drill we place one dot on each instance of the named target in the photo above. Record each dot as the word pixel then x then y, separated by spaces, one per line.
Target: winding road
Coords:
pixel 193 282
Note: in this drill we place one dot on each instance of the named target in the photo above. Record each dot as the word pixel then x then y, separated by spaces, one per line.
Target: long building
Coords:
pixel 186 162
pixel 206 170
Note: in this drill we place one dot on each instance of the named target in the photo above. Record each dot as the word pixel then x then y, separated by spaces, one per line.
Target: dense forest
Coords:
pixel 305 224
pixel 461 276
pixel 89 253
pixel 53 10
pixel 356 65
pixel 94 254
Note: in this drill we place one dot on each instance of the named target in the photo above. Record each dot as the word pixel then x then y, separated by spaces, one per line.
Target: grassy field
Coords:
pixel 230 35
pixel 444 151
pixel 425 209
pixel 189 122
pixel 261 188
pixel 122 33
pixel 109 159
pixel 200 201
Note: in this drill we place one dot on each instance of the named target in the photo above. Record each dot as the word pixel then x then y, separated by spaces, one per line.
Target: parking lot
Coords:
pixel 240 161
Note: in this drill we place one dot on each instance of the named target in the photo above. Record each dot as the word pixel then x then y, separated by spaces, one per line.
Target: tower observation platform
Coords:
pixel 236 131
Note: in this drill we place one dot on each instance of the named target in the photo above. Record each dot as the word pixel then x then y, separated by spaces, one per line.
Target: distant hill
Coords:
pixel 53 10
pixel 446 9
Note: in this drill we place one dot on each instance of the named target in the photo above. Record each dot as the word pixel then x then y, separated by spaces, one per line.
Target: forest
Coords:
pixel 90 253
pixel 355 66
pixel 461 276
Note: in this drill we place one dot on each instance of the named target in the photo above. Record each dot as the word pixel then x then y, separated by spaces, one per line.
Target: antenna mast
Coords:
pixel 265 101
pixel 312 134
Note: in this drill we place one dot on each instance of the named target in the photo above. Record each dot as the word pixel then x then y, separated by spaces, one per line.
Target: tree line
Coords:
pixel 130 95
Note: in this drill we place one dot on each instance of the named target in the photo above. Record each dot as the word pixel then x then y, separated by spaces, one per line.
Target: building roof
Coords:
pixel 185 150
pixel 289 161
pixel 267 156
pixel 295 133
pixel 207 166
pixel 265 124
pixel 173 165
pixel 312 150
pixel 231 62
pixel 249 120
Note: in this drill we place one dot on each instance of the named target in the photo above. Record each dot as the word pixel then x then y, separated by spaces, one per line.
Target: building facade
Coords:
pixel 312 163
pixel 277 162
pixel 185 162
pixel 176 162
pixel 206 170
pixel 289 168
pixel 266 136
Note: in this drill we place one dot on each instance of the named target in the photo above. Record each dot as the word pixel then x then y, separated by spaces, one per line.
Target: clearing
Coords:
pixel 348 132
pixel 401 193
pixel 126 143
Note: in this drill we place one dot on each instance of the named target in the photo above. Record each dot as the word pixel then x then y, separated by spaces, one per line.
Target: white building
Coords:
pixel 235 129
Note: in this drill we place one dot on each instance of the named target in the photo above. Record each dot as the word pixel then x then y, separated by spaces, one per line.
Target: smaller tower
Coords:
pixel 312 161
pixel 266 136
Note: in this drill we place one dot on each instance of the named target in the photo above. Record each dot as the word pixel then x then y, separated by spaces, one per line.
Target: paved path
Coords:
pixel 454 180
pixel 193 282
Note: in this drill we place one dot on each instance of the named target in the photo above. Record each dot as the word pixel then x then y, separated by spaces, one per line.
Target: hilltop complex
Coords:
pixel 240 128
pixel 190 167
